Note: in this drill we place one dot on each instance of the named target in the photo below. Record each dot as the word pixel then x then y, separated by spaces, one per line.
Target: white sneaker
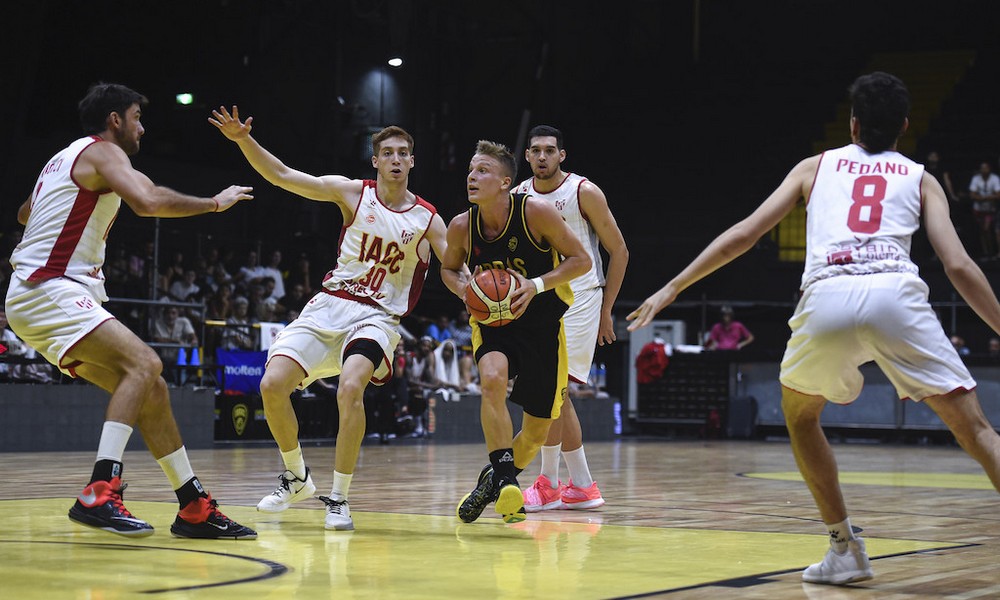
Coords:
pixel 338 514
pixel 291 489
pixel 838 569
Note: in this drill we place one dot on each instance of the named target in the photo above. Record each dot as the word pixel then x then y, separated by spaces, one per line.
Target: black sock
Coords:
pixel 503 465
pixel 190 492
pixel 106 469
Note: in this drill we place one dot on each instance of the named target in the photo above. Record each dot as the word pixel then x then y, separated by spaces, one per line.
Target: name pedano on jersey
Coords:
pixel 68 225
pixel 861 214
pixel 566 199
pixel 383 256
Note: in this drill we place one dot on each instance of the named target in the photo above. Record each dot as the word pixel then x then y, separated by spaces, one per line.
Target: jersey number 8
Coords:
pixel 865 215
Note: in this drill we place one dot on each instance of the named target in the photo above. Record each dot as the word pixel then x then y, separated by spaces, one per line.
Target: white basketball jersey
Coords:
pixel 566 199
pixel 383 256
pixel 861 214
pixel 68 225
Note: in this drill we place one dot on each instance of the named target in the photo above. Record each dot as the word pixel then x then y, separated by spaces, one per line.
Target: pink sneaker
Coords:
pixel 542 496
pixel 577 498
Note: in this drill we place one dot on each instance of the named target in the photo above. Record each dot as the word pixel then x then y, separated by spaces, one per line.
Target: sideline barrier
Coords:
pixel 240 417
pixel 45 417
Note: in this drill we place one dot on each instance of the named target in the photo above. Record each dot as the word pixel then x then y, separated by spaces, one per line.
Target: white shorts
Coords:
pixel 582 322
pixel 843 322
pixel 53 315
pixel 328 325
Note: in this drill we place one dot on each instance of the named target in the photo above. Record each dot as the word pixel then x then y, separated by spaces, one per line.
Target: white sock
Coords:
pixel 550 463
pixel 114 438
pixel 177 468
pixel 840 534
pixel 341 484
pixel 576 464
pixel 295 462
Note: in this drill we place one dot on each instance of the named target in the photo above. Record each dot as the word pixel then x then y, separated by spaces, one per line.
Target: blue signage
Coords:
pixel 241 371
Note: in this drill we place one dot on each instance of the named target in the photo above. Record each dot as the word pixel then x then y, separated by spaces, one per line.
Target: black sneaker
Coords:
pixel 100 505
pixel 202 519
pixel 473 503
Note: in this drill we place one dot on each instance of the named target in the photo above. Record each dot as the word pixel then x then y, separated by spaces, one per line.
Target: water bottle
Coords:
pixel 602 377
pixel 592 380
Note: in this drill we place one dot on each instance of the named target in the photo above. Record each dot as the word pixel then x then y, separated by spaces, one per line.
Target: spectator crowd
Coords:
pixel 218 299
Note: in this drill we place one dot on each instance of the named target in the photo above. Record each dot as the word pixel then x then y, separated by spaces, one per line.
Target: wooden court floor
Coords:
pixel 683 519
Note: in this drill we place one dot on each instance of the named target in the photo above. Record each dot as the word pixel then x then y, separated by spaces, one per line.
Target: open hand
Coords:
pixel 230 125
pixel 231 195
pixel 643 315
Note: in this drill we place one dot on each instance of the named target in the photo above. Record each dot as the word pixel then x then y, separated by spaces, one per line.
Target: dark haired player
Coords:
pixel 54 305
pixel 862 301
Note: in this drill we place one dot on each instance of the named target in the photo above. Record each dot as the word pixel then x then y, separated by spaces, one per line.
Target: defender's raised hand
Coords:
pixel 230 125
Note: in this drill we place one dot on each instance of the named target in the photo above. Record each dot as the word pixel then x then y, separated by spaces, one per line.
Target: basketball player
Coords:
pixel 350 328
pixel 527 237
pixel 54 305
pixel 861 301
pixel 588 321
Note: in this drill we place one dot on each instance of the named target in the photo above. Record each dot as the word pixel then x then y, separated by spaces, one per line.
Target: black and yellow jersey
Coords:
pixel 515 248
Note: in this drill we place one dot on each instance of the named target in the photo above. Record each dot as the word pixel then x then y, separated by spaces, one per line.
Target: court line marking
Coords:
pixel 759 579
pixel 275 569
pixel 951 481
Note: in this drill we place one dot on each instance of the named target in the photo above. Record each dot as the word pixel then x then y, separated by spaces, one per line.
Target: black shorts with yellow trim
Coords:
pixel 536 354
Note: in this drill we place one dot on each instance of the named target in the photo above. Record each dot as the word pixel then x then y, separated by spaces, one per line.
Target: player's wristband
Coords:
pixel 539 285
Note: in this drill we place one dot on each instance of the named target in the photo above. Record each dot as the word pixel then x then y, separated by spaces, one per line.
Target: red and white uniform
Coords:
pixel 583 319
pixel 861 215
pixel 381 267
pixel 862 298
pixel 55 295
pixel 66 232
pixel 566 199
pixel 383 256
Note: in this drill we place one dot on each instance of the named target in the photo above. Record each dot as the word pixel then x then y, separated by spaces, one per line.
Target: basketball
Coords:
pixel 488 297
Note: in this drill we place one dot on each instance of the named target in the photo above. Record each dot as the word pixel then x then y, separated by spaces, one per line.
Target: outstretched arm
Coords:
pixel 105 165
pixel 961 270
pixel 732 243
pixel 326 188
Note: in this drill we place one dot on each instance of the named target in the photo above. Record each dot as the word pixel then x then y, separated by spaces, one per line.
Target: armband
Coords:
pixel 539 284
